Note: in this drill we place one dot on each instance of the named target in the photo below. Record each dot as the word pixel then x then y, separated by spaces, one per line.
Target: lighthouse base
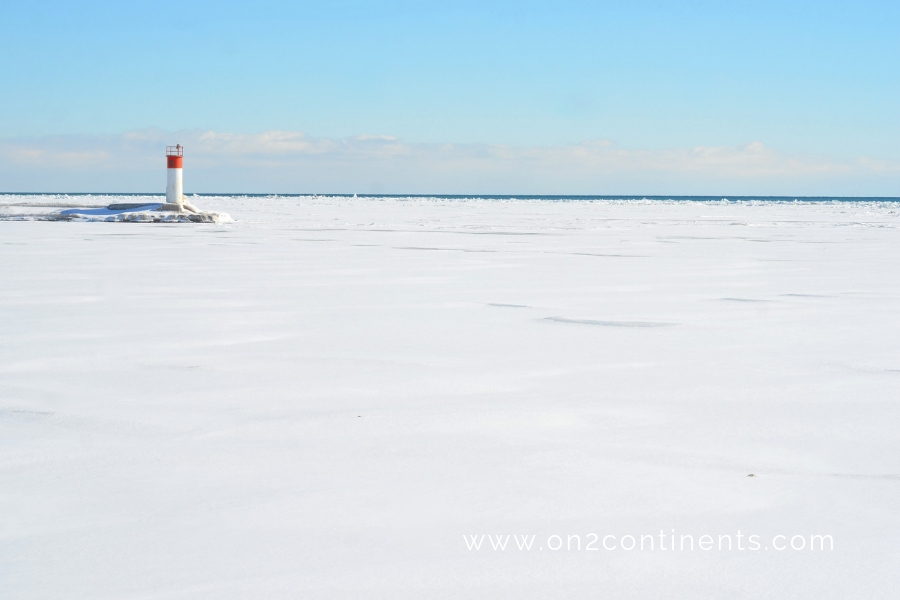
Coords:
pixel 185 206
pixel 143 213
pixel 63 209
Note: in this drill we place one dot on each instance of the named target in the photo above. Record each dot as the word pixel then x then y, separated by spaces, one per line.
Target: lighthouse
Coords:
pixel 176 208
pixel 174 185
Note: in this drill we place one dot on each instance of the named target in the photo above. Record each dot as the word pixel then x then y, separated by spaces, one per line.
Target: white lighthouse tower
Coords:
pixel 174 183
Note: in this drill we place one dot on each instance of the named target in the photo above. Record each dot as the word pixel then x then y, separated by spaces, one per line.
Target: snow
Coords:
pixel 322 398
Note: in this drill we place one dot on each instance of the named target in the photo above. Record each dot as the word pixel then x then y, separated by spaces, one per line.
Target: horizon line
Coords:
pixel 714 197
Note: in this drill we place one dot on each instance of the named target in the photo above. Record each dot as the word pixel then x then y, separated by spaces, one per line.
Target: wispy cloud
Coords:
pixel 289 161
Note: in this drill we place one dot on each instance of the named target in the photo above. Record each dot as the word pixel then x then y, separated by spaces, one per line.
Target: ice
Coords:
pixel 322 398
pixel 151 211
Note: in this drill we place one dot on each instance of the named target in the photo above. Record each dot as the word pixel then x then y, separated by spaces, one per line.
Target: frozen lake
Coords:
pixel 328 397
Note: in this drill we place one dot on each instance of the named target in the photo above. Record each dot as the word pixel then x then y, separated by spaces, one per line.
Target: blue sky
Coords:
pixel 802 78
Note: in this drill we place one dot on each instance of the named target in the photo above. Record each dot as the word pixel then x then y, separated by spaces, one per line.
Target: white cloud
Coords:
pixel 290 161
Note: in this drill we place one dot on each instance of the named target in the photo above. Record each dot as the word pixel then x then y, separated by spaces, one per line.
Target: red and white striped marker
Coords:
pixel 174 183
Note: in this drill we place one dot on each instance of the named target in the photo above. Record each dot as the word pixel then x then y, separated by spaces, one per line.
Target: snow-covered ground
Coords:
pixel 329 396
